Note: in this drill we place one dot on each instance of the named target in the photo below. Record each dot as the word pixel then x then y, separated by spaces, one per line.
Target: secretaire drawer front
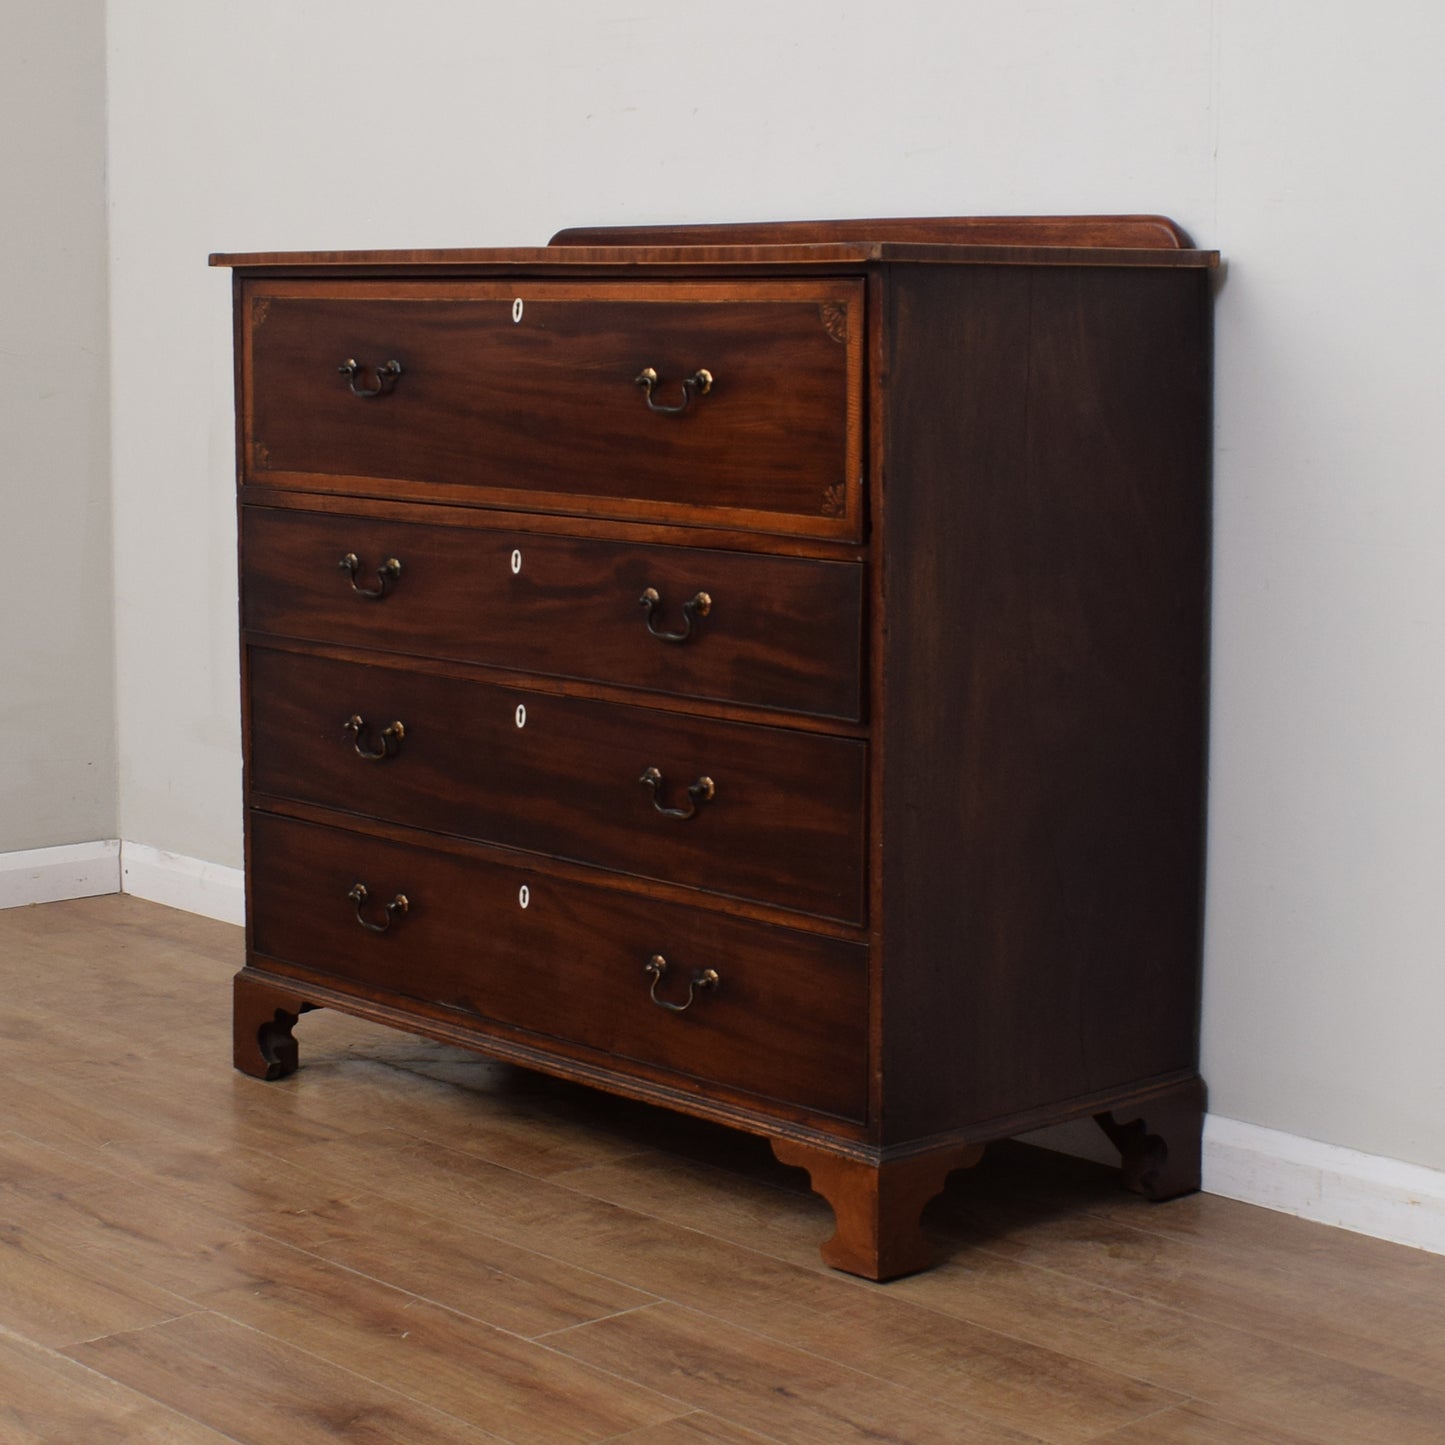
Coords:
pixel 763 813
pixel 781 632
pixel 770 1011
pixel 740 402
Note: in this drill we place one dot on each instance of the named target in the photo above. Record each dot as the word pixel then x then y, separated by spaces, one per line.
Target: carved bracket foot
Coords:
pixel 1159 1141
pixel 876 1207
pixel 263 1017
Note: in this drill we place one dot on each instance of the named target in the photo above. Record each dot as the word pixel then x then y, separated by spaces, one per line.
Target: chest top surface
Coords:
pixel 809 245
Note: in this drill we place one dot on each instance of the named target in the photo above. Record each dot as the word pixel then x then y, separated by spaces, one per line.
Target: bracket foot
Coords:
pixel 1158 1140
pixel 876 1206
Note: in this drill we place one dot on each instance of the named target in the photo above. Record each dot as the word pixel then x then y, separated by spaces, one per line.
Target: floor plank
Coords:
pixel 257 1389
pixel 864 1327
pixel 528 1393
pixel 697 1428
pixel 57 1297
pixel 1249 1376
pixel 797 1397
pixel 1302 1284
pixel 46 1399
pixel 1199 1425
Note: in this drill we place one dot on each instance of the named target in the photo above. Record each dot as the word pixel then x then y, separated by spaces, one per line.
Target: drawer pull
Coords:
pixel 698 605
pixel 394 909
pixel 703 979
pixel 698 384
pixel 698 793
pixel 391 739
pixel 385 377
pixel 387 573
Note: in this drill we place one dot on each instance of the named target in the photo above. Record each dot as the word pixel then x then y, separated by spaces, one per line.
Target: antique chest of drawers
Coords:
pixel 754 669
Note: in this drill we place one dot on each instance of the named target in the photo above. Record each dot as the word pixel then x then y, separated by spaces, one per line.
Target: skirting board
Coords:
pixel 209 889
pixel 48 875
pixel 1364 1193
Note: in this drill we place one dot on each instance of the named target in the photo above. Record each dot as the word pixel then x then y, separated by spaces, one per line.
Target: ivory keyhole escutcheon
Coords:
pixel 521 715
pixel 516 561
pixel 516 310
pixel 524 896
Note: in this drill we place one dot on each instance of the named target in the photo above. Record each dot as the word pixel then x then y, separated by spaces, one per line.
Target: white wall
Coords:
pixel 57 745
pixel 1326 933
pixel 1298 137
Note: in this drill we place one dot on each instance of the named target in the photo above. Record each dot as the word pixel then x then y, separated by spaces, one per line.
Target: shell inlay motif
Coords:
pixel 835 320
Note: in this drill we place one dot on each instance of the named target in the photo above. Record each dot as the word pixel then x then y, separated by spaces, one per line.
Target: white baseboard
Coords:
pixel 210 889
pixel 48 875
pixel 1365 1193
pixel 87 870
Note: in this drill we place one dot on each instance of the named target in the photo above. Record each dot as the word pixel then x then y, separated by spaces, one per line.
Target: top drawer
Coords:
pixel 527 394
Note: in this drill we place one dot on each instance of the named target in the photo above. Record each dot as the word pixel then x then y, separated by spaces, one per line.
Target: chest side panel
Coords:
pixel 1046 516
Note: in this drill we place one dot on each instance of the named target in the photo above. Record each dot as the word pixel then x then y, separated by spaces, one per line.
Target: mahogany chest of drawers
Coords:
pixel 755 669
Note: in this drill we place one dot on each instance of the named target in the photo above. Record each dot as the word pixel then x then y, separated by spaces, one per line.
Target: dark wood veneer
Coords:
pixel 949 502
pixel 786 1019
pixel 1127 232
pixel 780 632
pixel 785 823
pixel 1042 890
pixel 548 404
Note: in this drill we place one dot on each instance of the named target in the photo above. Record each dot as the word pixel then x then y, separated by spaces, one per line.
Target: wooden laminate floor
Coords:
pixel 408 1245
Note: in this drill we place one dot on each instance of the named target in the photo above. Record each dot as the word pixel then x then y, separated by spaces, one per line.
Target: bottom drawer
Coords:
pixel 785 1018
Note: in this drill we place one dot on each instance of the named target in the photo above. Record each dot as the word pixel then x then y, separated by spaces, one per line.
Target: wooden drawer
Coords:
pixel 779 632
pixel 562 776
pixel 787 1018
pixel 525 393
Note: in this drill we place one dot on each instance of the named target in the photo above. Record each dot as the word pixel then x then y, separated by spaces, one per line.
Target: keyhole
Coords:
pixel 521 715
pixel 516 562
pixel 524 896
pixel 516 310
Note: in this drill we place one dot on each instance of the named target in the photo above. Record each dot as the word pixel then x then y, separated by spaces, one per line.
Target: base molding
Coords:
pixel 50 875
pixel 113 865
pixel 1364 1193
pixel 210 889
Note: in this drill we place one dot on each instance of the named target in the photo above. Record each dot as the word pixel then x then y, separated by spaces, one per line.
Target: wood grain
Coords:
pixel 769 1386
pixel 256 1388
pixel 1149 232
pixel 784 1020
pixel 438 1356
pixel 696 1428
pixel 59 1295
pixel 779 632
pixel 1041 843
pixel 782 824
pixel 487 407
pixel 46 1398
pixel 1198 1425
pixel 1394 1324
pixel 771 247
